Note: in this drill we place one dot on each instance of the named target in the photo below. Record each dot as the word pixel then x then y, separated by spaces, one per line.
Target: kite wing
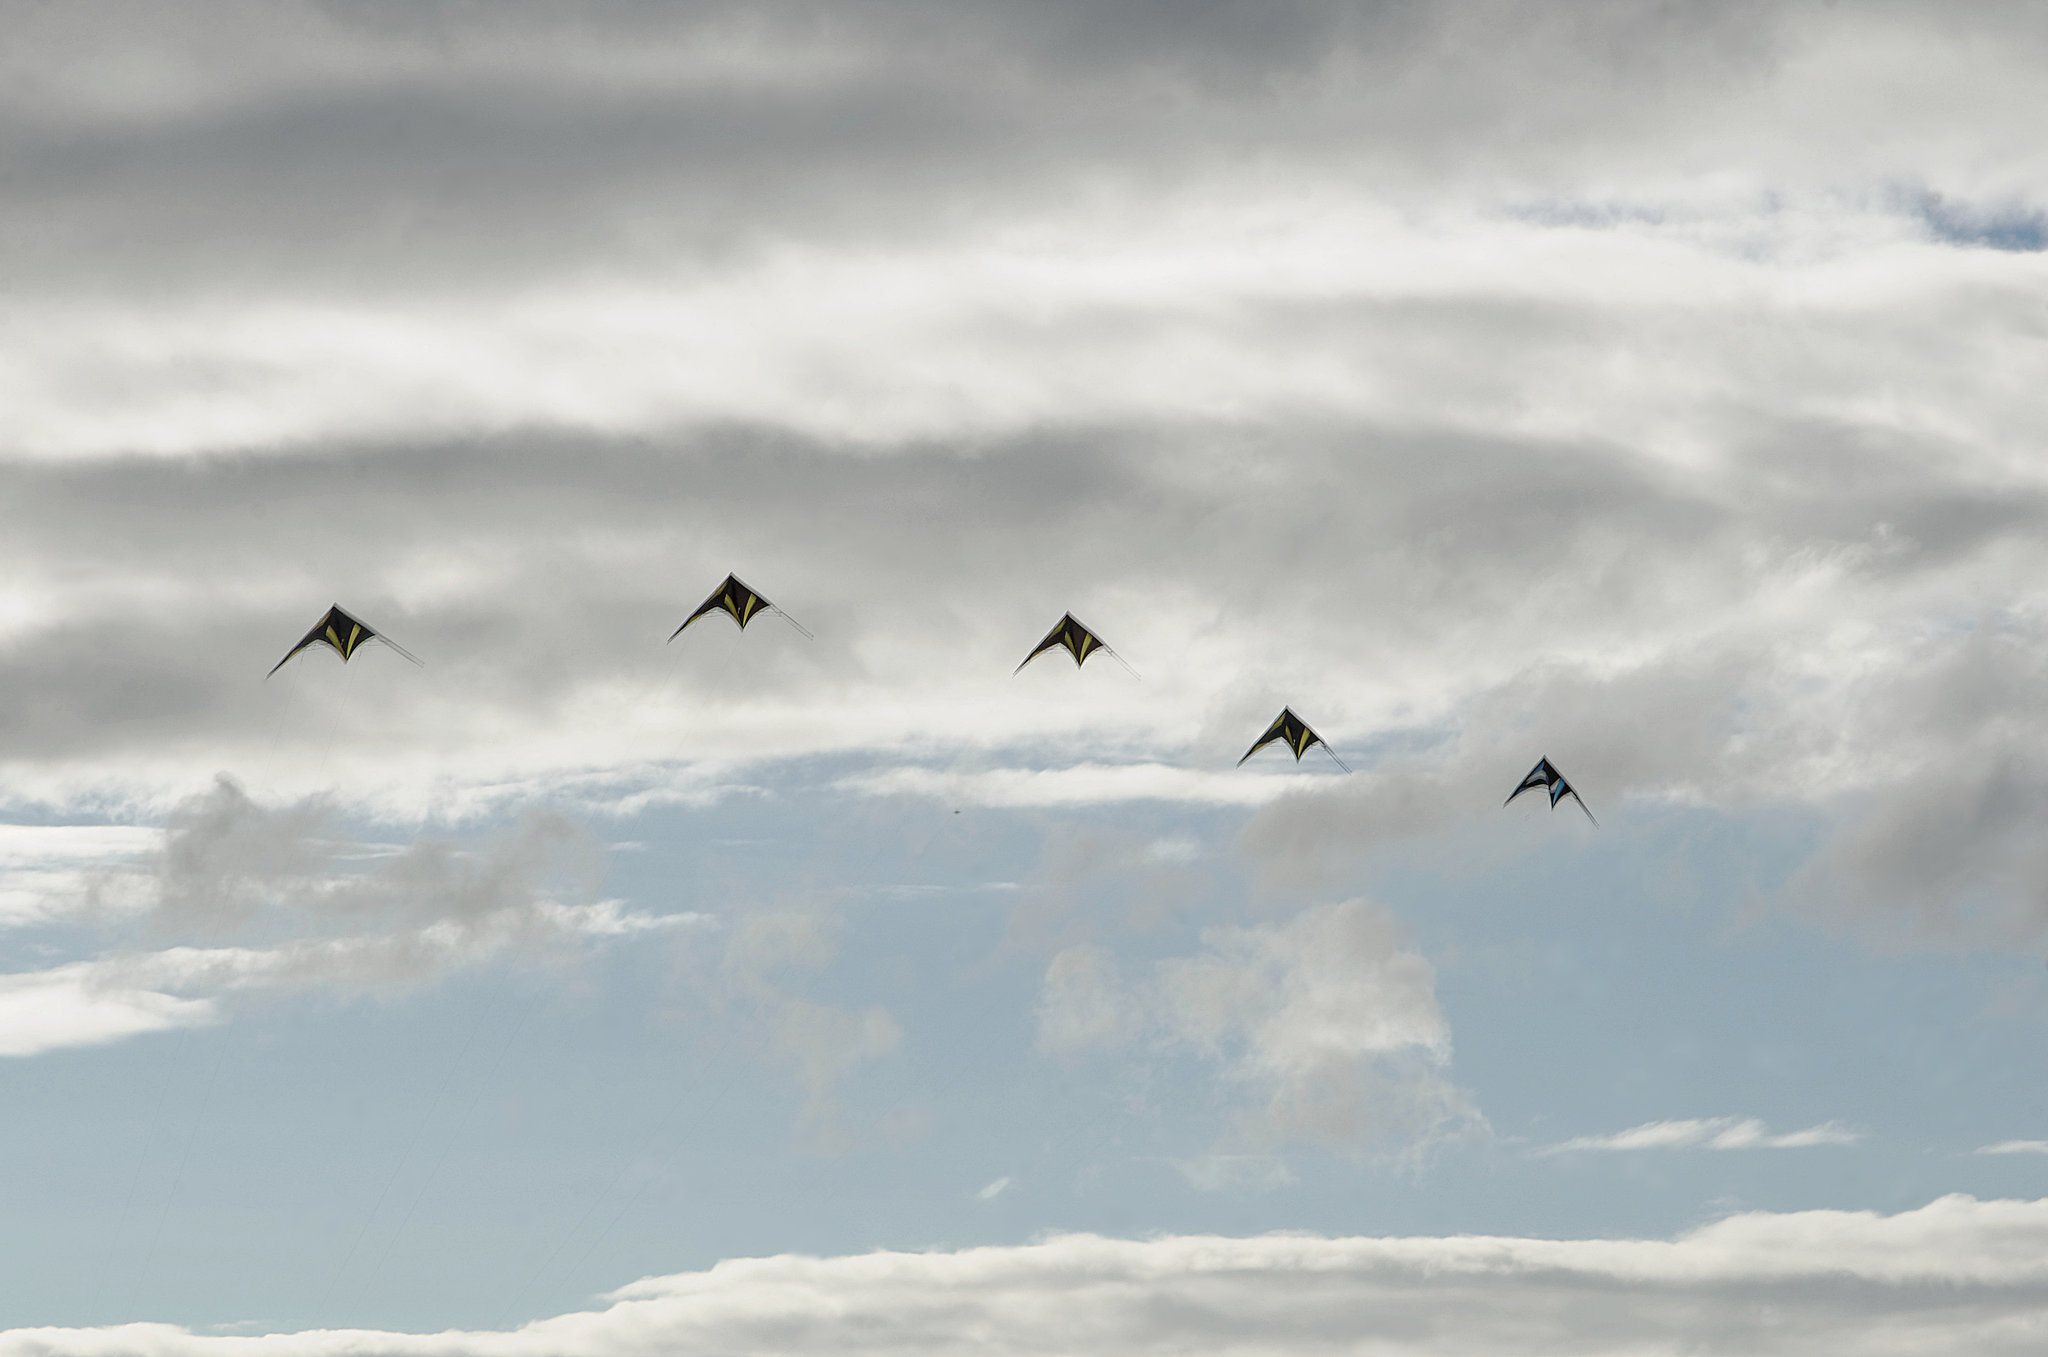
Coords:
pixel 1546 776
pixel 739 602
pixel 1295 733
pixel 1077 640
pixel 1542 775
pixel 342 634
pixel 1564 789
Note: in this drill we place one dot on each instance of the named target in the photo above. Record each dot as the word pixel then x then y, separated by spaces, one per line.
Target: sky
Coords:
pixel 1653 388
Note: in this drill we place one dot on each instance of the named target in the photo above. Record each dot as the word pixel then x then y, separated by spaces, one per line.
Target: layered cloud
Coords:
pixel 1636 450
pixel 1957 1275
pixel 1283 344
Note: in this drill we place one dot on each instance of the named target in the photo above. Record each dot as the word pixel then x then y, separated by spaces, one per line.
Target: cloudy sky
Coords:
pixel 1653 387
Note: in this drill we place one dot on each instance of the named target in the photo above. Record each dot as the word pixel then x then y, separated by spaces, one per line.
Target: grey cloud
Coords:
pixel 243 900
pixel 1685 726
pixel 1922 780
pixel 560 547
pixel 322 147
pixel 1470 486
pixel 568 560
pixel 231 866
pixel 1477 582
pixel 1944 845
pixel 241 897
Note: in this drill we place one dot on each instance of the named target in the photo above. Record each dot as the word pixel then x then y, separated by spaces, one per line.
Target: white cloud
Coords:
pixel 1709 1133
pixel 2015 1147
pixel 993 1190
pixel 1326 1025
pixel 1957 1275
pixel 82 1005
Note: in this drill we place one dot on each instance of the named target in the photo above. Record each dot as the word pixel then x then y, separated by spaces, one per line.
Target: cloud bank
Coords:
pixel 1957 1275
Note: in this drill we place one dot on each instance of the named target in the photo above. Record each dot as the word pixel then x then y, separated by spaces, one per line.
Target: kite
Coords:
pixel 343 635
pixel 1076 639
pixel 1298 737
pixel 1546 776
pixel 739 602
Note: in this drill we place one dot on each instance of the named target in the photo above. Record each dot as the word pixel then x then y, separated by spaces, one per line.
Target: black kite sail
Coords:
pixel 739 602
pixel 1295 734
pixel 1546 776
pixel 342 634
pixel 1075 639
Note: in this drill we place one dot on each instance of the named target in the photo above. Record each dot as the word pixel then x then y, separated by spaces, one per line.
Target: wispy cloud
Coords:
pixel 823 1044
pixel 1708 1133
pixel 1235 1172
pixel 1325 1026
pixel 271 899
pixel 2014 1147
pixel 50 870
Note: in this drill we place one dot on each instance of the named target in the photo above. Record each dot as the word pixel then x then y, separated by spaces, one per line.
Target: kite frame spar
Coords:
pixel 1300 746
pixel 742 609
pixel 325 633
pixel 1546 776
pixel 1061 638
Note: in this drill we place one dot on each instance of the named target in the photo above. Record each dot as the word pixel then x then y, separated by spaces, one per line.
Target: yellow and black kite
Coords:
pixel 343 635
pixel 739 602
pixel 1292 731
pixel 1075 639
